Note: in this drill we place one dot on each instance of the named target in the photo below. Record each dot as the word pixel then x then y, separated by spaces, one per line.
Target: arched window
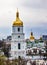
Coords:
pixel 18 36
pixel 18 45
pixel 18 29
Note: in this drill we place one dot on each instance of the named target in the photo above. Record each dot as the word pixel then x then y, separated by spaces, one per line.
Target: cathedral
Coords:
pixel 21 47
pixel 18 44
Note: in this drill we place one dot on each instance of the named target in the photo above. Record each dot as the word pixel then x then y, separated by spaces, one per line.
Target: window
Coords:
pixel 18 36
pixel 18 45
pixel 18 29
pixel 19 57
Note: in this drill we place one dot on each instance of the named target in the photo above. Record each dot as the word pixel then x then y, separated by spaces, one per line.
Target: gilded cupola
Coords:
pixel 31 36
pixel 17 22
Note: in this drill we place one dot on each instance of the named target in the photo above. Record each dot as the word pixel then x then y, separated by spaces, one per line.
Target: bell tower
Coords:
pixel 18 44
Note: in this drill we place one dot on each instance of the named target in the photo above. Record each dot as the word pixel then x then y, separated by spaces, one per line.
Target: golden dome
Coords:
pixel 17 22
pixel 31 36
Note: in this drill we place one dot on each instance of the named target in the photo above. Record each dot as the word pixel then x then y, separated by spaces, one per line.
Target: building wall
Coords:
pixel 15 51
pixel 15 29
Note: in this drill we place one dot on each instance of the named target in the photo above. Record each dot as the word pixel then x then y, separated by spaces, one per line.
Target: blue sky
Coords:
pixel 33 13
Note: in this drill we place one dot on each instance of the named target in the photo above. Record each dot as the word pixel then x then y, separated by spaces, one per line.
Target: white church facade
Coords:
pixel 21 47
pixel 18 44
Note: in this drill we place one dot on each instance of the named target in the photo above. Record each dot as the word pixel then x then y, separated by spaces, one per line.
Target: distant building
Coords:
pixel 44 37
pixel 9 38
pixel 32 38
pixel 30 42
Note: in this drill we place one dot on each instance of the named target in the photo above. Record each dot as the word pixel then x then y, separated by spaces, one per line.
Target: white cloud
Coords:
pixel 35 4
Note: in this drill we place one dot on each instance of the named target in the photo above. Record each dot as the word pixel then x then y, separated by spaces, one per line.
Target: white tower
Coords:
pixel 18 45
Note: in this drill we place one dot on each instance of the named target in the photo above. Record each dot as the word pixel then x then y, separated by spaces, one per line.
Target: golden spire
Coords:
pixel 31 33
pixel 17 14
pixel 17 22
